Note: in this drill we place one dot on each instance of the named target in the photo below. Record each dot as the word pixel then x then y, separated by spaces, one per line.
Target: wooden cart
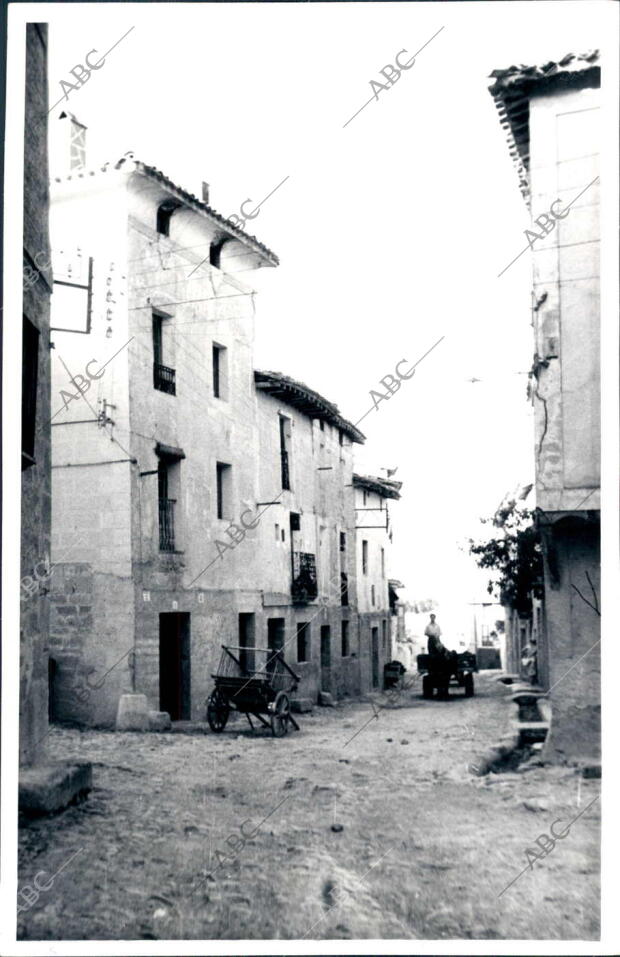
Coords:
pixel 256 682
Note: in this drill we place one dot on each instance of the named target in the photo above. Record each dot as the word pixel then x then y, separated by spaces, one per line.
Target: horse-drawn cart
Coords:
pixel 253 681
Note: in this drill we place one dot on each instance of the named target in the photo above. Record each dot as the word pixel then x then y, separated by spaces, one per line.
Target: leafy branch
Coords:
pixel 514 554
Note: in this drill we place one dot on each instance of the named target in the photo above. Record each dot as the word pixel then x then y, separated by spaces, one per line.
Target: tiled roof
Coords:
pixel 182 194
pixel 387 488
pixel 306 400
pixel 513 88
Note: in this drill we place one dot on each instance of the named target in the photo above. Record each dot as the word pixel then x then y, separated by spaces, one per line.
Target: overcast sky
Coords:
pixel 391 231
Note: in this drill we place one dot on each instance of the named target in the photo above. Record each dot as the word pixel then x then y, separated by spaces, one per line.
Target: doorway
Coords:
pixel 174 665
pixel 326 657
pixel 375 657
pixel 275 639
pixel 246 641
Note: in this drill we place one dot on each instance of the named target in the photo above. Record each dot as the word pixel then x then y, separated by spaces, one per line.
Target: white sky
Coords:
pixel 390 232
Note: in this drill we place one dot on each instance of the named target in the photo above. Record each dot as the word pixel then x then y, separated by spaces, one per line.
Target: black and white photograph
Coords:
pixel 310 338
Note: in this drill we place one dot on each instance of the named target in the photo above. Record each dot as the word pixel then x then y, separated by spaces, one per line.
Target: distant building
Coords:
pixel 552 119
pixel 373 539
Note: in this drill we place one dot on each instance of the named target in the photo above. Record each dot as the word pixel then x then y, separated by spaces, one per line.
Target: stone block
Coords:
pixel 133 713
pixel 159 721
pixel 46 788
pixel 326 700
pixel 301 705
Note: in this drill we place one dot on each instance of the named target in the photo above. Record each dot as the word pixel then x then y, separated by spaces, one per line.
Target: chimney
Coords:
pixel 205 193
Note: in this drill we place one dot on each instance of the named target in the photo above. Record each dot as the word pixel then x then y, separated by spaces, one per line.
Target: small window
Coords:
pixel 343 542
pixel 164 215
pixel 220 371
pixel 372 595
pixel 215 253
pixel 224 492
pixel 344 632
pixel 277 533
pixel 295 521
pixel 322 425
pixel 30 377
pixel 303 641
pixel 364 557
pixel 283 535
pixel 383 562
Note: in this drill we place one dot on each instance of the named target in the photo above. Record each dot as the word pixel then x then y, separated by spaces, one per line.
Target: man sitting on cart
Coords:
pixel 441 659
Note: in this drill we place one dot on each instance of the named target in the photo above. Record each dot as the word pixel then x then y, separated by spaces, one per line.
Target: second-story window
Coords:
pixel 285 451
pixel 223 477
pixel 364 557
pixel 220 371
pixel 383 562
pixel 164 377
pixel 343 541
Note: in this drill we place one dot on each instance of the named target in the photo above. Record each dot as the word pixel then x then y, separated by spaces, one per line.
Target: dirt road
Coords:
pixel 356 827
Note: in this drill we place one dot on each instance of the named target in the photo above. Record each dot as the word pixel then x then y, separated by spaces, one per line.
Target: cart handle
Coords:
pixel 274 654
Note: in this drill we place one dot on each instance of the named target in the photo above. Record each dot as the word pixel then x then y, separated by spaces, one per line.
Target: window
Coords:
pixel 285 451
pixel 303 641
pixel 164 215
pixel 215 253
pixel 77 145
pixel 383 562
pixel 295 521
pixel 372 595
pixel 364 557
pixel 277 533
pixel 166 504
pixel 224 492
pixel 220 371
pixel 343 542
pixel 344 635
pixel 164 378
pixel 30 377
pixel 283 535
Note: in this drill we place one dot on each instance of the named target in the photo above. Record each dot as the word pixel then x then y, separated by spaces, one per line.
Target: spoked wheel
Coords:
pixel 280 716
pixel 469 686
pixel 218 710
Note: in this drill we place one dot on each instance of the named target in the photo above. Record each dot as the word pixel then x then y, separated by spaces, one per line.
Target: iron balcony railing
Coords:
pixel 286 479
pixel 166 524
pixel 164 378
pixel 304 585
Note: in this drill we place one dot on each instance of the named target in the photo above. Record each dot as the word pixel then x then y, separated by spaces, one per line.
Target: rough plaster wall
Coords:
pixel 36 505
pixel 573 629
pixel 564 137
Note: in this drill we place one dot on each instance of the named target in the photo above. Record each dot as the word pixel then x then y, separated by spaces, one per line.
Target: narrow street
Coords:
pixel 381 837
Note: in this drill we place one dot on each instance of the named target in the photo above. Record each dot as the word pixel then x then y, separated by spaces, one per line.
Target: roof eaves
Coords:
pixel 307 400
pixel 387 488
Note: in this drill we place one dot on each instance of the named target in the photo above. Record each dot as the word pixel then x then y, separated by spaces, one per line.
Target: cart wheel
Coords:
pixel 218 710
pixel 281 715
pixel 469 686
pixel 427 686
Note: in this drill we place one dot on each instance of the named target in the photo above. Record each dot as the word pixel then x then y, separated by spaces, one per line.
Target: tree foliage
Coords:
pixel 514 554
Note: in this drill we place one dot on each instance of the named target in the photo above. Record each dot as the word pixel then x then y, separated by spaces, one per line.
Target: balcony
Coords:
pixel 304 585
pixel 164 378
pixel 166 524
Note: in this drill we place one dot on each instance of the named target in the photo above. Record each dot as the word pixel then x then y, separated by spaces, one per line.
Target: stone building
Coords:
pixel 551 117
pixel 373 534
pixel 36 445
pixel 196 502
